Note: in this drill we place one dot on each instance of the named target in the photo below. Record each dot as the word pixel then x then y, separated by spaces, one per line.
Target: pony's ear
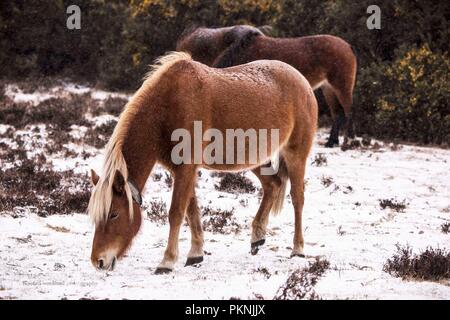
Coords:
pixel 119 182
pixel 266 29
pixel 94 177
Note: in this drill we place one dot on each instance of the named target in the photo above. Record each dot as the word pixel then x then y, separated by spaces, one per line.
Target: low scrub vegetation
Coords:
pixel 396 205
pixel 431 264
pixel 235 183
pixel 220 221
pixel 300 284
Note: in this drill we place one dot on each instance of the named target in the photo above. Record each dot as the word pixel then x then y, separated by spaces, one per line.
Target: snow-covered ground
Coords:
pixel 63 90
pixel 44 258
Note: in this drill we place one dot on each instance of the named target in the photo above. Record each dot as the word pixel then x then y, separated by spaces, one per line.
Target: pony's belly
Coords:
pixel 231 167
pixel 239 166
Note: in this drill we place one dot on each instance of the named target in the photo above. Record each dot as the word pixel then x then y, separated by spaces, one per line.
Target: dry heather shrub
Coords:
pixel 33 184
pixel 235 183
pixel 98 136
pixel 431 264
pixel 157 212
pixel 115 106
pixel 59 113
pixel 320 160
pixel 445 227
pixel 393 204
pixel 220 221
pixel 326 181
pixel 300 284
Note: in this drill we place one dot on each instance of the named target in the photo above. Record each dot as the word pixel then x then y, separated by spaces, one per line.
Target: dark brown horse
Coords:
pixel 327 62
pixel 262 95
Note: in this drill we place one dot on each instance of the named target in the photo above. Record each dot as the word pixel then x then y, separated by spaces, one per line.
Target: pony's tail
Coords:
pixel 282 174
pixel 356 54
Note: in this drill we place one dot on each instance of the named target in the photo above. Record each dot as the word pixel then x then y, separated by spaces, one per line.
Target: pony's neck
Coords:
pixel 140 128
pixel 140 144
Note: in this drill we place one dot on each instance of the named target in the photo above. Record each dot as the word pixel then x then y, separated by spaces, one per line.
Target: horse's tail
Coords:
pixel 356 54
pixel 282 174
pixel 233 54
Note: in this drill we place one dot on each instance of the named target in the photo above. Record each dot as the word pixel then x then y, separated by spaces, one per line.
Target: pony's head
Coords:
pixel 115 230
pixel 206 44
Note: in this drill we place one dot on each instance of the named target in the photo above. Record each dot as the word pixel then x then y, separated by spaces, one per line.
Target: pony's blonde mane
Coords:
pixel 102 194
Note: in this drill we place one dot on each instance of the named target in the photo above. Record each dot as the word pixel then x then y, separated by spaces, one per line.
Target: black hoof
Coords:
pixel 255 246
pixel 331 144
pixel 300 255
pixel 163 270
pixel 193 260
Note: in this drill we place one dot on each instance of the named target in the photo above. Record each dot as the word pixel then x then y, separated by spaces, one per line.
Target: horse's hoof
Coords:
pixel 255 246
pixel 331 144
pixel 193 260
pixel 300 255
pixel 163 270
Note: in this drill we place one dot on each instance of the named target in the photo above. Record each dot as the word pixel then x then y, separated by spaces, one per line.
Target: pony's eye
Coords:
pixel 113 215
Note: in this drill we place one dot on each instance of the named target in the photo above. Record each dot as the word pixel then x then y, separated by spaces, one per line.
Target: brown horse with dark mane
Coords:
pixel 328 62
pixel 262 95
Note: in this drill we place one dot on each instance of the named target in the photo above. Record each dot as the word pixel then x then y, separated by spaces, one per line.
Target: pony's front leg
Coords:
pixel 182 193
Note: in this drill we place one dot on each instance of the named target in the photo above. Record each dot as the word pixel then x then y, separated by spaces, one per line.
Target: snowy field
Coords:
pixel 48 257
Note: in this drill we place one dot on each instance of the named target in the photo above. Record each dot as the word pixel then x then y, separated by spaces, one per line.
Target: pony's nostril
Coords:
pixel 100 263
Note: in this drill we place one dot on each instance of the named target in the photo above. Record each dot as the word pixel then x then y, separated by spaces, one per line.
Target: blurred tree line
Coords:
pixel 402 89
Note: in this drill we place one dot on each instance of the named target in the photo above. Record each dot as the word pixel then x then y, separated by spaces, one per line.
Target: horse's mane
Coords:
pixel 187 32
pixel 102 194
pixel 232 55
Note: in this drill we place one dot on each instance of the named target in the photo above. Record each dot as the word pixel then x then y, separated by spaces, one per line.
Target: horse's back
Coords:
pixel 272 75
pixel 263 87
pixel 259 94
pixel 317 57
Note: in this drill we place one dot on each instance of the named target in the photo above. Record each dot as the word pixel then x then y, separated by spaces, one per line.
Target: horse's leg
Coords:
pixel 195 255
pixel 346 100
pixel 342 85
pixel 336 115
pixel 183 188
pixel 271 185
pixel 296 169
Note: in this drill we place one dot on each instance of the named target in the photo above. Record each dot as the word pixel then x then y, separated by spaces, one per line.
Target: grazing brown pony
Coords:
pixel 179 91
pixel 327 62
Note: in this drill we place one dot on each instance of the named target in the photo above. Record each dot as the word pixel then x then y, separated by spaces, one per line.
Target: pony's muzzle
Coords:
pixel 101 264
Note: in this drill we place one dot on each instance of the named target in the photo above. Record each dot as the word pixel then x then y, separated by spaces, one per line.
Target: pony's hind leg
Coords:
pixel 346 101
pixel 337 115
pixel 195 254
pixel 274 187
pixel 271 186
pixel 183 188
pixel 342 85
